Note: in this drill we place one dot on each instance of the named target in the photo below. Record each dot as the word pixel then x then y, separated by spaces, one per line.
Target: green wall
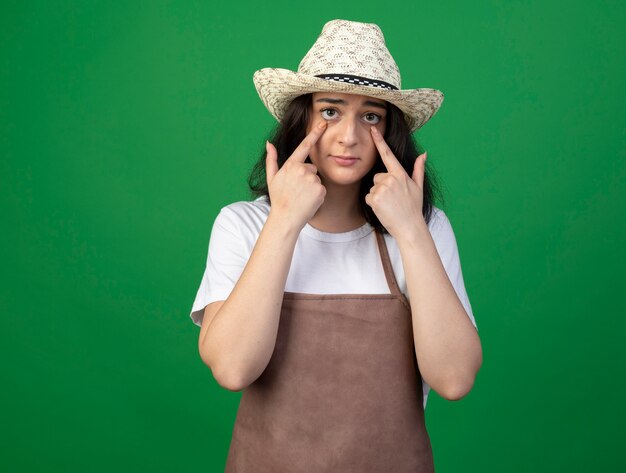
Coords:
pixel 126 126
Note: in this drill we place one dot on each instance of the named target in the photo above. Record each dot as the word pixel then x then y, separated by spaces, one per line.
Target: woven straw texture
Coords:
pixel 353 49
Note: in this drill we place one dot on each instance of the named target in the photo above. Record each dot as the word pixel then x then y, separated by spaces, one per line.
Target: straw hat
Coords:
pixel 348 57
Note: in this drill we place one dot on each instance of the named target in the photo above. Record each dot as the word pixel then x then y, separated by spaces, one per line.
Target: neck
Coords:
pixel 340 210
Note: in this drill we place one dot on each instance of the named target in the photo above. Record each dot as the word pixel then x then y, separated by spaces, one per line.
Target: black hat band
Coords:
pixel 357 80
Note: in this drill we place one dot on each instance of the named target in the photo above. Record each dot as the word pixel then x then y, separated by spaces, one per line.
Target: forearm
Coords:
pixel 240 339
pixel 447 345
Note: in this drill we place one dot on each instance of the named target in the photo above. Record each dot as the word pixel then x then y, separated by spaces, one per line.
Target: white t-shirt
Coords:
pixel 322 263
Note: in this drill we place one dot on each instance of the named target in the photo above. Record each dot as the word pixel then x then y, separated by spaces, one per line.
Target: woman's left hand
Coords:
pixel 396 198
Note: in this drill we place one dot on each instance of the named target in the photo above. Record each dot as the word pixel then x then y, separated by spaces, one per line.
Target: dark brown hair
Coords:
pixel 286 137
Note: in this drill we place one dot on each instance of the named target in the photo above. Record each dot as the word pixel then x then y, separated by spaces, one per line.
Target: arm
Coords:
pixel 238 342
pixel 447 345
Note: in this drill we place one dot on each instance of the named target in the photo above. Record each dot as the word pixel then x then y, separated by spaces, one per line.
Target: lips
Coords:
pixel 343 160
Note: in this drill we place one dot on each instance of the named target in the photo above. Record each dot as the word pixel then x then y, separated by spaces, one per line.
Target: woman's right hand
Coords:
pixel 296 191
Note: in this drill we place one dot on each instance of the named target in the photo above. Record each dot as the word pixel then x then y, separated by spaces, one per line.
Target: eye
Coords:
pixel 375 118
pixel 332 111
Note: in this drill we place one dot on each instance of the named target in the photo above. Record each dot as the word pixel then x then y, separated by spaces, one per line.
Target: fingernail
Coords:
pixel 321 125
pixel 267 145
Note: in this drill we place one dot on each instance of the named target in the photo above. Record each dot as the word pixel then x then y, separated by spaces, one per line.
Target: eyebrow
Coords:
pixel 343 102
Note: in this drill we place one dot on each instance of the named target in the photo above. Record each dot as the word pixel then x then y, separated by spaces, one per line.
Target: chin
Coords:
pixel 338 179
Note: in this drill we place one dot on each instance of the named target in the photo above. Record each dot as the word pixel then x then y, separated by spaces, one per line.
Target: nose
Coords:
pixel 348 132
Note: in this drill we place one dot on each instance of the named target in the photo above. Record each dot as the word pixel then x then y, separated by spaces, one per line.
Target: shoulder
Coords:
pixel 439 224
pixel 246 216
pixel 244 208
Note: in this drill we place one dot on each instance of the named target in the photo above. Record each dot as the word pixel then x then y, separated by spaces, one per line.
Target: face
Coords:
pixel 347 134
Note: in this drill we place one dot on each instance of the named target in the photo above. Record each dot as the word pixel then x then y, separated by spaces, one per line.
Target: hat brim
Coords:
pixel 278 87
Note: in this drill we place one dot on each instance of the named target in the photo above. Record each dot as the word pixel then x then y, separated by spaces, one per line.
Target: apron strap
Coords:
pixel 384 256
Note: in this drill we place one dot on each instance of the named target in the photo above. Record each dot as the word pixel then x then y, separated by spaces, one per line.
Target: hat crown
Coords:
pixel 351 48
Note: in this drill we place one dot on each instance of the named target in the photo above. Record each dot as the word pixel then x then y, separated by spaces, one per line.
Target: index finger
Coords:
pixel 302 151
pixel 389 159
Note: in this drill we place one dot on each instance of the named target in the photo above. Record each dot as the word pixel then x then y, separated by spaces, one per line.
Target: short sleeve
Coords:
pixel 227 256
pixel 445 241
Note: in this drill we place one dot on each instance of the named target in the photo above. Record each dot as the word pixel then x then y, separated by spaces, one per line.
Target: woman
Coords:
pixel 335 300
